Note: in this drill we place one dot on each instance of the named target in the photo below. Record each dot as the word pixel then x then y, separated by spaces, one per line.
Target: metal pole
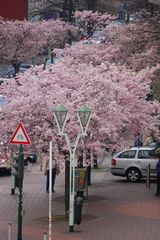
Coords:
pixel 12 183
pixel 72 180
pixel 19 237
pixel 21 158
pixel 148 176
pixel 71 193
pixel 71 205
pixel 67 187
pixel 50 193
pixel 9 230
pixel 45 236
pixel 61 120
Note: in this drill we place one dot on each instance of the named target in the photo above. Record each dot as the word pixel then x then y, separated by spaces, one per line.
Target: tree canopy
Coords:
pixel 112 79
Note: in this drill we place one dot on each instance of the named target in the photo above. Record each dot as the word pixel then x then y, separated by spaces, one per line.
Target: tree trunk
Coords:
pixel 64 10
pixel 16 68
pixel 80 160
pixel 70 10
pixel 95 163
pixel 88 160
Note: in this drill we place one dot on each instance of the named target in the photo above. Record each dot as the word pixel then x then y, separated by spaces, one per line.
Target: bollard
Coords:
pixel 9 230
pixel 78 210
pixel 29 166
pixel 12 191
pixel 45 236
pixel 148 176
pixel 12 185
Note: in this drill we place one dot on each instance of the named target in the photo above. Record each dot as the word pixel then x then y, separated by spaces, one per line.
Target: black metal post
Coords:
pixel 20 186
pixel 148 176
pixel 89 175
pixel 19 237
pixel 67 187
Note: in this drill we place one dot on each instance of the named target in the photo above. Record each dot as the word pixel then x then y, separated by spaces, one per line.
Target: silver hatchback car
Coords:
pixel 133 163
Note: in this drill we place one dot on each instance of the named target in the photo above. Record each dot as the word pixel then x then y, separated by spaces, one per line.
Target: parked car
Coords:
pixel 155 145
pixel 2 80
pixel 2 100
pixel 31 158
pixel 5 164
pixel 55 61
pixel 10 72
pixel 97 37
pixel 84 36
pixel 133 163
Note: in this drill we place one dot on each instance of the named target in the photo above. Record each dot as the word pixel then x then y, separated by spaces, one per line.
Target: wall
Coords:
pixel 112 6
pixel 157 2
pixel 14 9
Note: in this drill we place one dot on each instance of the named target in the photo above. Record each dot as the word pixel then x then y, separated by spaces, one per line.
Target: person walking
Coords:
pixel 46 172
pixel 138 140
pixel 158 172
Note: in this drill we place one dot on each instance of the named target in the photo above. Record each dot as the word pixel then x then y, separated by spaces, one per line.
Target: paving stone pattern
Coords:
pixel 115 209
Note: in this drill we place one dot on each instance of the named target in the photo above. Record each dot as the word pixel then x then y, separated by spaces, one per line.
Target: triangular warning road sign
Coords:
pixel 20 136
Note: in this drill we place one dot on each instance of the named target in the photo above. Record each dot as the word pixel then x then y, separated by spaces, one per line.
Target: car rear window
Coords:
pixel 128 154
pixel 142 154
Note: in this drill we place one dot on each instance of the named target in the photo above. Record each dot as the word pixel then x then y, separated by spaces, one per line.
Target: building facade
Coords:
pixel 157 2
pixel 14 9
pixel 46 9
pixel 112 6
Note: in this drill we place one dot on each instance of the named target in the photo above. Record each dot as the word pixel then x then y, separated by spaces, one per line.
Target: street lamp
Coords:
pixel 84 115
pixel 60 114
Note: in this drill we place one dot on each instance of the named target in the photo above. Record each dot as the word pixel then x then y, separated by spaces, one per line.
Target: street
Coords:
pixel 115 209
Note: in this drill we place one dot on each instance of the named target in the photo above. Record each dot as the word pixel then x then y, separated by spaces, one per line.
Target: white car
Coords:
pixel 5 164
pixel 133 163
pixel 97 37
pixel 2 100
pixel 2 80
pixel 55 61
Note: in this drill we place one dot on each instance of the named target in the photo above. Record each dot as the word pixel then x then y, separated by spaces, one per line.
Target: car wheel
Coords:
pixel 133 174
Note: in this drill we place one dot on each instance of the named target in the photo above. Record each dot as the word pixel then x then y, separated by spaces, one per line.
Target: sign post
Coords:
pixel 20 137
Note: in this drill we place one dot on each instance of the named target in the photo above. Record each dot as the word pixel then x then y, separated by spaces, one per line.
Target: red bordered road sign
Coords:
pixel 20 136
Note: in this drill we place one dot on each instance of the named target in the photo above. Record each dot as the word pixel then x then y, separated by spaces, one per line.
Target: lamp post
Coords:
pixel 84 115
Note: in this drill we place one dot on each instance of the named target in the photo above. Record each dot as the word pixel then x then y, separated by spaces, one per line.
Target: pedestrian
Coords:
pixel 54 172
pixel 138 140
pixel 158 172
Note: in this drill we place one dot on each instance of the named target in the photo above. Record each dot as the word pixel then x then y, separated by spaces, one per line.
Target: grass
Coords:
pixel 156 90
pixel 99 169
pixel 55 219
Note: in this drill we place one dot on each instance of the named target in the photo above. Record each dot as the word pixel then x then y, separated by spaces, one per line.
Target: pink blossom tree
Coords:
pixel 20 41
pixel 133 48
pixel 101 75
pixel 122 46
pixel 89 21
pixel 55 34
pixel 116 96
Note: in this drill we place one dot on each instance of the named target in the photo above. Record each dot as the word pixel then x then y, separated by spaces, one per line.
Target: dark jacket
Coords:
pixel 158 168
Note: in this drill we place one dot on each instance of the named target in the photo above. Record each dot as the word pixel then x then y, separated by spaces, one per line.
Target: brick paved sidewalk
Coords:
pixel 114 210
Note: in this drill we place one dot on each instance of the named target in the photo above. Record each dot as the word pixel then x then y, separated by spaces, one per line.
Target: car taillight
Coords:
pixel 113 162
